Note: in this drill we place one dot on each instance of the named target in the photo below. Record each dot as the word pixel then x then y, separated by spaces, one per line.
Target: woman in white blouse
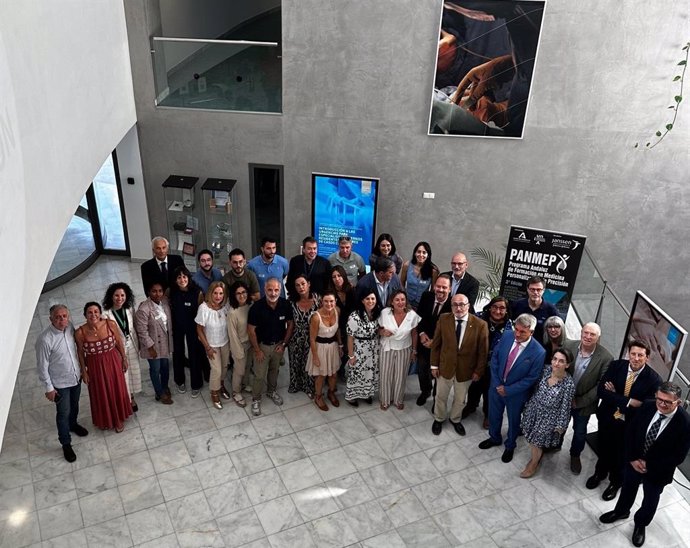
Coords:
pixel 398 330
pixel 212 329
pixel 238 294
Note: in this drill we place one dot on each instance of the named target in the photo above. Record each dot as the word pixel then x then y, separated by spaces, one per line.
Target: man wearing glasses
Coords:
pixel 623 388
pixel 462 281
pixel 458 357
pixel 657 441
pixel 535 305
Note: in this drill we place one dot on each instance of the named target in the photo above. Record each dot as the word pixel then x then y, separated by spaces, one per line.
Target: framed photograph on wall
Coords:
pixel 487 52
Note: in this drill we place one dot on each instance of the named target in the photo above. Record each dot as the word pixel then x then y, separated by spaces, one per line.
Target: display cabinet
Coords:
pixel 181 207
pixel 220 217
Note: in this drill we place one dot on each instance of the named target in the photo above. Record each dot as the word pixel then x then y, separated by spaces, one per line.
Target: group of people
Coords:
pixel 373 329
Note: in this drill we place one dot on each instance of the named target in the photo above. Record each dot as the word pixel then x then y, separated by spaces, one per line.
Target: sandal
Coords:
pixel 318 400
pixel 333 398
pixel 385 406
pixel 400 406
pixel 224 392
pixel 120 428
pixel 239 400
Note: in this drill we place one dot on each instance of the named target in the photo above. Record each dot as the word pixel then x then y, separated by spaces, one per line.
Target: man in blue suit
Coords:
pixel 516 366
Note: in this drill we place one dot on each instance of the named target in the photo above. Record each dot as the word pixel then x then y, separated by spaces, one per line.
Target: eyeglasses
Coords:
pixel 665 403
pixel 459 305
pixel 536 289
pixel 344 239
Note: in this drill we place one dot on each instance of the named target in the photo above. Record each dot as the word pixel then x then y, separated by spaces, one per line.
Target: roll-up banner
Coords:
pixel 554 256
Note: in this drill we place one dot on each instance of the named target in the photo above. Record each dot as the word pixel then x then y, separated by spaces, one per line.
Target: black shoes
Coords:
pixel 467 411
pixel 369 400
pixel 575 465
pixel 610 492
pixel 593 481
pixel 489 443
pixel 436 428
pixel 421 400
pixel 79 430
pixel 459 428
pixel 610 517
pixel 638 536
pixel 67 450
pixel 507 455
pixel 353 403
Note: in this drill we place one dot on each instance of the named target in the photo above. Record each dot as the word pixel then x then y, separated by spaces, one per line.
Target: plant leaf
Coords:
pixel 669 127
pixel 676 78
pixel 637 144
pixel 682 63
pixel 658 134
pixel 678 98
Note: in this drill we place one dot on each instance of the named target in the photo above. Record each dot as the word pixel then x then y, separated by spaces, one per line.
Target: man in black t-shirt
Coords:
pixel 269 327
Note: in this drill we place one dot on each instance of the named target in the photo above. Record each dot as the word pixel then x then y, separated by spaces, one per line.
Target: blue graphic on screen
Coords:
pixel 344 206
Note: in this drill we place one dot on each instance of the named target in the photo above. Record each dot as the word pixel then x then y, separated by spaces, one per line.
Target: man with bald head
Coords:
pixel 161 267
pixel 461 280
pixel 591 362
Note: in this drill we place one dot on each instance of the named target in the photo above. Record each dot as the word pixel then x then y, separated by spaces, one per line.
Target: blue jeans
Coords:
pixel 579 433
pixel 159 369
pixel 67 407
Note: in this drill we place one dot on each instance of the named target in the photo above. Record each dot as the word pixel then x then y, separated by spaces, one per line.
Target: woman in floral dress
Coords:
pixel 363 351
pixel 304 304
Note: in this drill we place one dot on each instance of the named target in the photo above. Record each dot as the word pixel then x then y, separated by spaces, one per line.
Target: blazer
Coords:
pixel 669 449
pixel 368 285
pixel 469 287
pixel 425 310
pixel 526 370
pixel 644 388
pixel 150 330
pixel 470 358
pixel 586 397
pixel 319 275
pixel 151 273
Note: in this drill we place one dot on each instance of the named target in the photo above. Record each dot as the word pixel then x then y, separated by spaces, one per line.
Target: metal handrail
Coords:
pixel 214 41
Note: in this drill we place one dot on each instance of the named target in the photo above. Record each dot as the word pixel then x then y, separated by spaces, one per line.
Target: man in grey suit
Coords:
pixel 591 362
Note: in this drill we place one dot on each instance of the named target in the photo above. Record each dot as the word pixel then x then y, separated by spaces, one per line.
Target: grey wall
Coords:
pixel 356 83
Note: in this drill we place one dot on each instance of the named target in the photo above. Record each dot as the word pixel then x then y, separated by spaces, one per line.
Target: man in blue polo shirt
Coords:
pixel 268 264
pixel 206 272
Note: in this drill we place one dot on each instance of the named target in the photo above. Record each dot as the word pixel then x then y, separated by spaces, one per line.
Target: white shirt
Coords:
pixel 402 334
pixel 215 324
pixel 464 328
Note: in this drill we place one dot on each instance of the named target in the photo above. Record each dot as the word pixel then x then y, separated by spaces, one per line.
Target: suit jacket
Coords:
pixel 469 287
pixel 368 285
pixel 644 388
pixel 318 277
pixel 151 273
pixel 151 331
pixel 669 449
pixel 586 397
pixel 526 370
pixel 425 309
pixel 470 358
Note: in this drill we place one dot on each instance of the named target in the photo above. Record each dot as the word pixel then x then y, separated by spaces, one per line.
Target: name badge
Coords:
pixel 188 304
pixel 281 318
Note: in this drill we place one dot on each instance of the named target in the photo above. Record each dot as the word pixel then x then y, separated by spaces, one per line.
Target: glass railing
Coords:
pixel 234 75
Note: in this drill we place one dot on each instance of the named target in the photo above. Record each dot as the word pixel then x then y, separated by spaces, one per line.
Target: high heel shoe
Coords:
pixel 333 398
pixel 318 400
pixel 215 398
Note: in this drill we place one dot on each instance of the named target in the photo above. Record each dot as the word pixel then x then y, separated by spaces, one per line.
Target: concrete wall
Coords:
pixel 66 91
pixel 356 83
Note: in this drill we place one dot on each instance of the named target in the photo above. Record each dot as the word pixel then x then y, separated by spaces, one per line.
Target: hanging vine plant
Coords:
pixel 659 135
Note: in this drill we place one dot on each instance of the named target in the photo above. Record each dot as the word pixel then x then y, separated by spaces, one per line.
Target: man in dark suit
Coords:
pixel 161 267
pixel 430 308
pixel 462 281
pixel 516 366
pixel 382 281
pixel 656 442
pixel 316 269
pixel 591 362
pixel 622 389
pixel 458 357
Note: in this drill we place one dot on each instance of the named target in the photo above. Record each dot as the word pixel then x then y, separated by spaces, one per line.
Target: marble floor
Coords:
pixel 191 475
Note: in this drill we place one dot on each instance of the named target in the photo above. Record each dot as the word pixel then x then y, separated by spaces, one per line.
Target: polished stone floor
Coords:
pixel 191 475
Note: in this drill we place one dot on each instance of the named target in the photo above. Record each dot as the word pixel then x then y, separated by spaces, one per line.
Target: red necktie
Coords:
pixel 511 359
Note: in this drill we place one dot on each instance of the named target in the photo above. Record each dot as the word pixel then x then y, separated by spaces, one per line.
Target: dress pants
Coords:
pixel 194 350
pixel 266 370
pixel 650 501
pixel 424 370
pixel 480 389
pixel 611 441
pixel 443 387
pixel 513 406
pixel 219 366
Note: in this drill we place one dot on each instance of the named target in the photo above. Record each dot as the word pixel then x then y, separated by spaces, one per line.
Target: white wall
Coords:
pixel 66 90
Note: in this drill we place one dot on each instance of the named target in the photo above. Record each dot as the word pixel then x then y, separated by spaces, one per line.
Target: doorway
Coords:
pixel 266 202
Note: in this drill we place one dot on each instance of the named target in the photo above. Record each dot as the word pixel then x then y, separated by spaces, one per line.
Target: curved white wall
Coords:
pixel 66 90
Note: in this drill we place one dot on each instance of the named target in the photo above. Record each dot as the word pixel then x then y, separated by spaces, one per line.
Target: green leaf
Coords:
pixel 658 134
pixel 676 78
pixel 682 63
pixel 669 127
pixel 678 98
pixel 648 144
pixel 686 46
pixel 637 144
pixel 672 106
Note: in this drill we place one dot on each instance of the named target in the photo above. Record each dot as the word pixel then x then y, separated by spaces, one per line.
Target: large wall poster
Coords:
pixel 485 62
pixel 554 256
pixel 650 323
pixel 344 205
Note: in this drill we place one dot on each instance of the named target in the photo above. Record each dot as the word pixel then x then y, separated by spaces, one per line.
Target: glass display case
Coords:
pixel 220 218
pixel 181 210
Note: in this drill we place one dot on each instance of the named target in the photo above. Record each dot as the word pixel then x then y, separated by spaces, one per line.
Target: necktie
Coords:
pixel 626 392
pixel 511 359
pixel 437 306
pixel 458 331
pixel 651 435
pixel 164 269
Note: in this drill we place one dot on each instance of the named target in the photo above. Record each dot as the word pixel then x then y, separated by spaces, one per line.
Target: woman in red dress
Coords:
pixel 103 361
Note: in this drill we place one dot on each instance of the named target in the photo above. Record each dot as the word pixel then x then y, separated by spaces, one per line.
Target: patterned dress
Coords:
pixel 300 381
pixel 108 395
pixel 363 376
pixel 548 409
